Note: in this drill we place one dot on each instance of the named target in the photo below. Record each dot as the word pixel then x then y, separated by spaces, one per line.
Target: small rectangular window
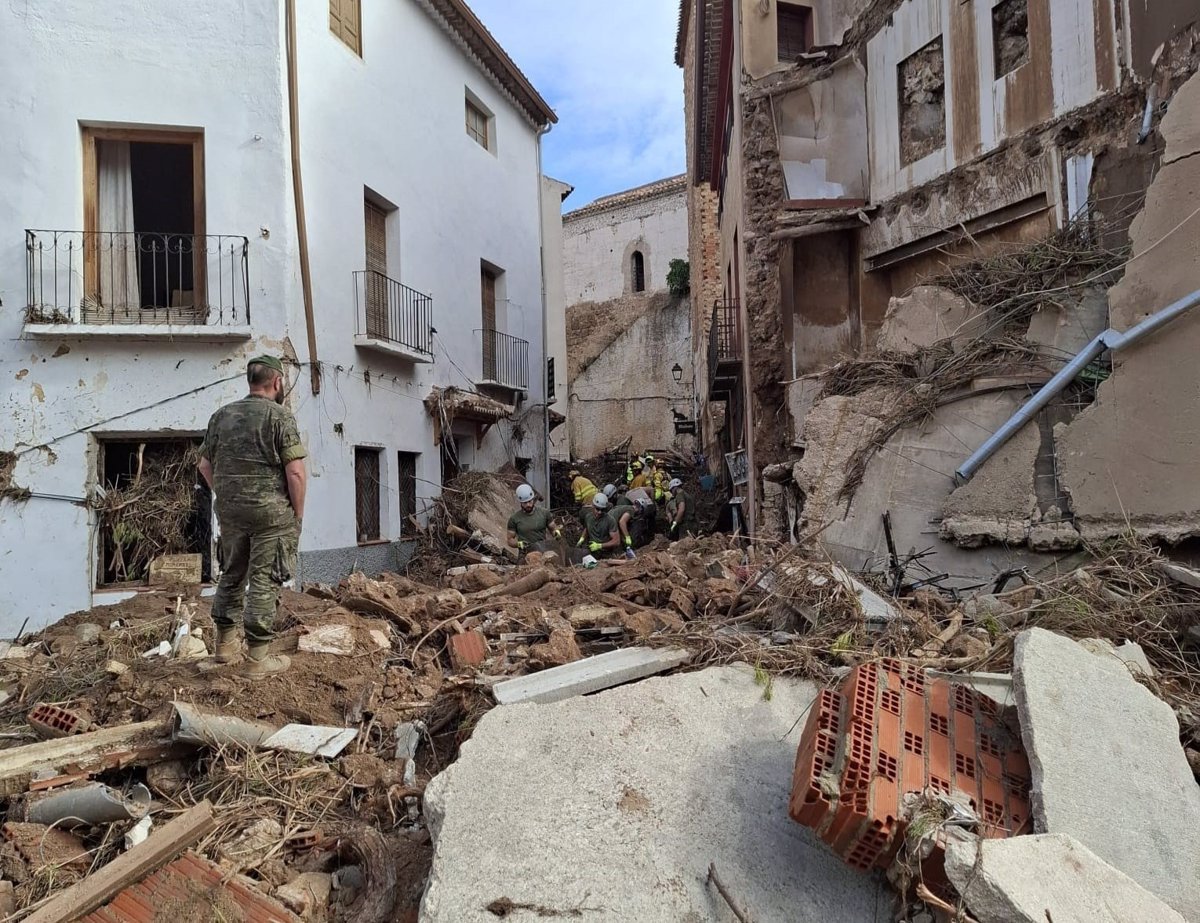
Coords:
pixel 794 31
pixel 477 125
pixel 922 85
pixel 366 493
pixel 406 476
pixel 1010 35
pixel 345 21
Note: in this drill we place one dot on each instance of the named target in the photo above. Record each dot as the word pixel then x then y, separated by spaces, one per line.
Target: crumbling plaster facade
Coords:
pixel 1031 128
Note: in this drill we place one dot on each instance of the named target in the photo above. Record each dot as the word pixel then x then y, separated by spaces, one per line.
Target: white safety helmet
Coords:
pixel 600 502
pixel 643 504
pixel 609 490
pixel 675 482
pixel 524 493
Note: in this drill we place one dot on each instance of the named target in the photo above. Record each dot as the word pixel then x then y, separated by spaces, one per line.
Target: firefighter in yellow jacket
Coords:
pixel 581 488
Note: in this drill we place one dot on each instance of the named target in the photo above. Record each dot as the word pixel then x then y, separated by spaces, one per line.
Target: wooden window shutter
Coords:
pixel 376 265
pixel 352 24
pixel 488 281
pixel 335 17
pixel 376 227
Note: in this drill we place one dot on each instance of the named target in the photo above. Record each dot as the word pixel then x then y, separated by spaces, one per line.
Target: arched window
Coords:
pixel 639 271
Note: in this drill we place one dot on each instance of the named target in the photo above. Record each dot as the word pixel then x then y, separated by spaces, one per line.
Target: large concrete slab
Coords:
pixel 1032 879
pixel 1107 765
pixel 615 805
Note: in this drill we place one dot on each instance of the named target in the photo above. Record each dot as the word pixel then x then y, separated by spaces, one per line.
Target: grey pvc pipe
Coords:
pixel 1109 339
pixel 92 804
pixel 205 729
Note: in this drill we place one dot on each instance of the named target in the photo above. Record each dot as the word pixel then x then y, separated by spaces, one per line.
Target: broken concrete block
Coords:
pixel 588 675
pixel 8 900
pixel 1107 766
pixel 619 802
pixel 306 895
pixel 927 314
pixel 1177 573
pixel 875 608
pixel 1129 653
pixel 587 615
pixel 382 641
pixel 328 639
pixel 1032 879
pixel 987 609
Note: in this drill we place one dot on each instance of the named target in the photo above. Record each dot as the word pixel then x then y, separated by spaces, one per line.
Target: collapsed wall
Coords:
pixel 1130 461
pixel 621 359
pixel 1115 453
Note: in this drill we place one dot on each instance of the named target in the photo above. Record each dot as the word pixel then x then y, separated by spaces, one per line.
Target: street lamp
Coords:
pixel 677 372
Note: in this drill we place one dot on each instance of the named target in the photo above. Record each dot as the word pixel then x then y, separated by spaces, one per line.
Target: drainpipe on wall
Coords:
pixel 298 193
pixel 542 132
pixel 1110 339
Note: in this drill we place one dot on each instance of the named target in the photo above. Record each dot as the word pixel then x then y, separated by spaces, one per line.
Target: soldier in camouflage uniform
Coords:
pixel 253 460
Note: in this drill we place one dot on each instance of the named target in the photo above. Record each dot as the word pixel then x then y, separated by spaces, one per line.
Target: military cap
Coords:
pixel 269 361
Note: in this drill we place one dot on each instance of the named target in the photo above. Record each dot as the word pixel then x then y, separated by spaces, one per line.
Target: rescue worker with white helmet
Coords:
pixel 635 514
pixel 527 527
pixel 600 531
pixel 680 508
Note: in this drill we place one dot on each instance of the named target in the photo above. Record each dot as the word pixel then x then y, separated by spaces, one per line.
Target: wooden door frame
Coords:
pixel 91 198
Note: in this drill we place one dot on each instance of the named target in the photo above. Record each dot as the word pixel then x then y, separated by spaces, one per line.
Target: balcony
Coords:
pixel 137 285
pixel 505 361
pixel 724 349
pixel 392 318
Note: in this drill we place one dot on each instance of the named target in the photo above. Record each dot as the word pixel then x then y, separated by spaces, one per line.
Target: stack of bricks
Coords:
pixel 889 731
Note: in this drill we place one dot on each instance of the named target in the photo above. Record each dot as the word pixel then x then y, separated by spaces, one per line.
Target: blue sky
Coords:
pixel 607 67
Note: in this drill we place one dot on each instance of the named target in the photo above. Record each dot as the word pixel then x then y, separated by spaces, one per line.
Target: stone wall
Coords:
pixel 628 389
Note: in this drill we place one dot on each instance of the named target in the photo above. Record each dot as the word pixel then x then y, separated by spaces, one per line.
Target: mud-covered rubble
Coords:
pixel 406 668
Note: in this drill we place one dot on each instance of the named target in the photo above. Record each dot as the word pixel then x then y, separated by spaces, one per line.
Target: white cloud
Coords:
pixel 607 68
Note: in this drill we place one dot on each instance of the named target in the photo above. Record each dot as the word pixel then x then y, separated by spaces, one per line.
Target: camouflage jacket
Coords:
pixel 248 444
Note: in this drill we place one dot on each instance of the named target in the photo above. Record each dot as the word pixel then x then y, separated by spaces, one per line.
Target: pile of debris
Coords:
pixel 161 771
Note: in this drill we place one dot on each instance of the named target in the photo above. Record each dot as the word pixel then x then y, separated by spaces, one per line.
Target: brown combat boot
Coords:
pixel 260 663
pixel 229 645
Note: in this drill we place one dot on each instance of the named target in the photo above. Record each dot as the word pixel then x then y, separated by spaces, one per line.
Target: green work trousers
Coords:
pixel 256 564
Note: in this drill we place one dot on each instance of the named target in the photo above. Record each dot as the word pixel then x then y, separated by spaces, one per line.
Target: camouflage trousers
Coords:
pixel 255 566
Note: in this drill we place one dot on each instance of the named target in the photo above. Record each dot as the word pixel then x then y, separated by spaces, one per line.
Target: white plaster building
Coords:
pixel 623 244
pixel 153 141
pixel 554 193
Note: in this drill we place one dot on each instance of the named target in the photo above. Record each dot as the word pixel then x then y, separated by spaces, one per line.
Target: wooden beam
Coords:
pixel 130 867
pixel 96 750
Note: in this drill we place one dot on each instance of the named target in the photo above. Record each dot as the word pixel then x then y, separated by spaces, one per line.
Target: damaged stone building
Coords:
pixel 629 366
pixel 905 218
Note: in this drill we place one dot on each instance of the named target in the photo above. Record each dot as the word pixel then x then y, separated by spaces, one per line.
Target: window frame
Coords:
pixel 794 10
pixel 474 113
pixel 359 501
pixel 352 40
pixel 90 135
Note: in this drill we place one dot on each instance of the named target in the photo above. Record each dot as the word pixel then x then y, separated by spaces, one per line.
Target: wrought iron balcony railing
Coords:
pixel 136 277
pixel 724 346
pixel 391 312
pixel 505 360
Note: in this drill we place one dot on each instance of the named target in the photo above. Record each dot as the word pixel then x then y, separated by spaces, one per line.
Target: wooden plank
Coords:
pixel 200 228
pixel 83 751
pixel 130 867
pixel 91 215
